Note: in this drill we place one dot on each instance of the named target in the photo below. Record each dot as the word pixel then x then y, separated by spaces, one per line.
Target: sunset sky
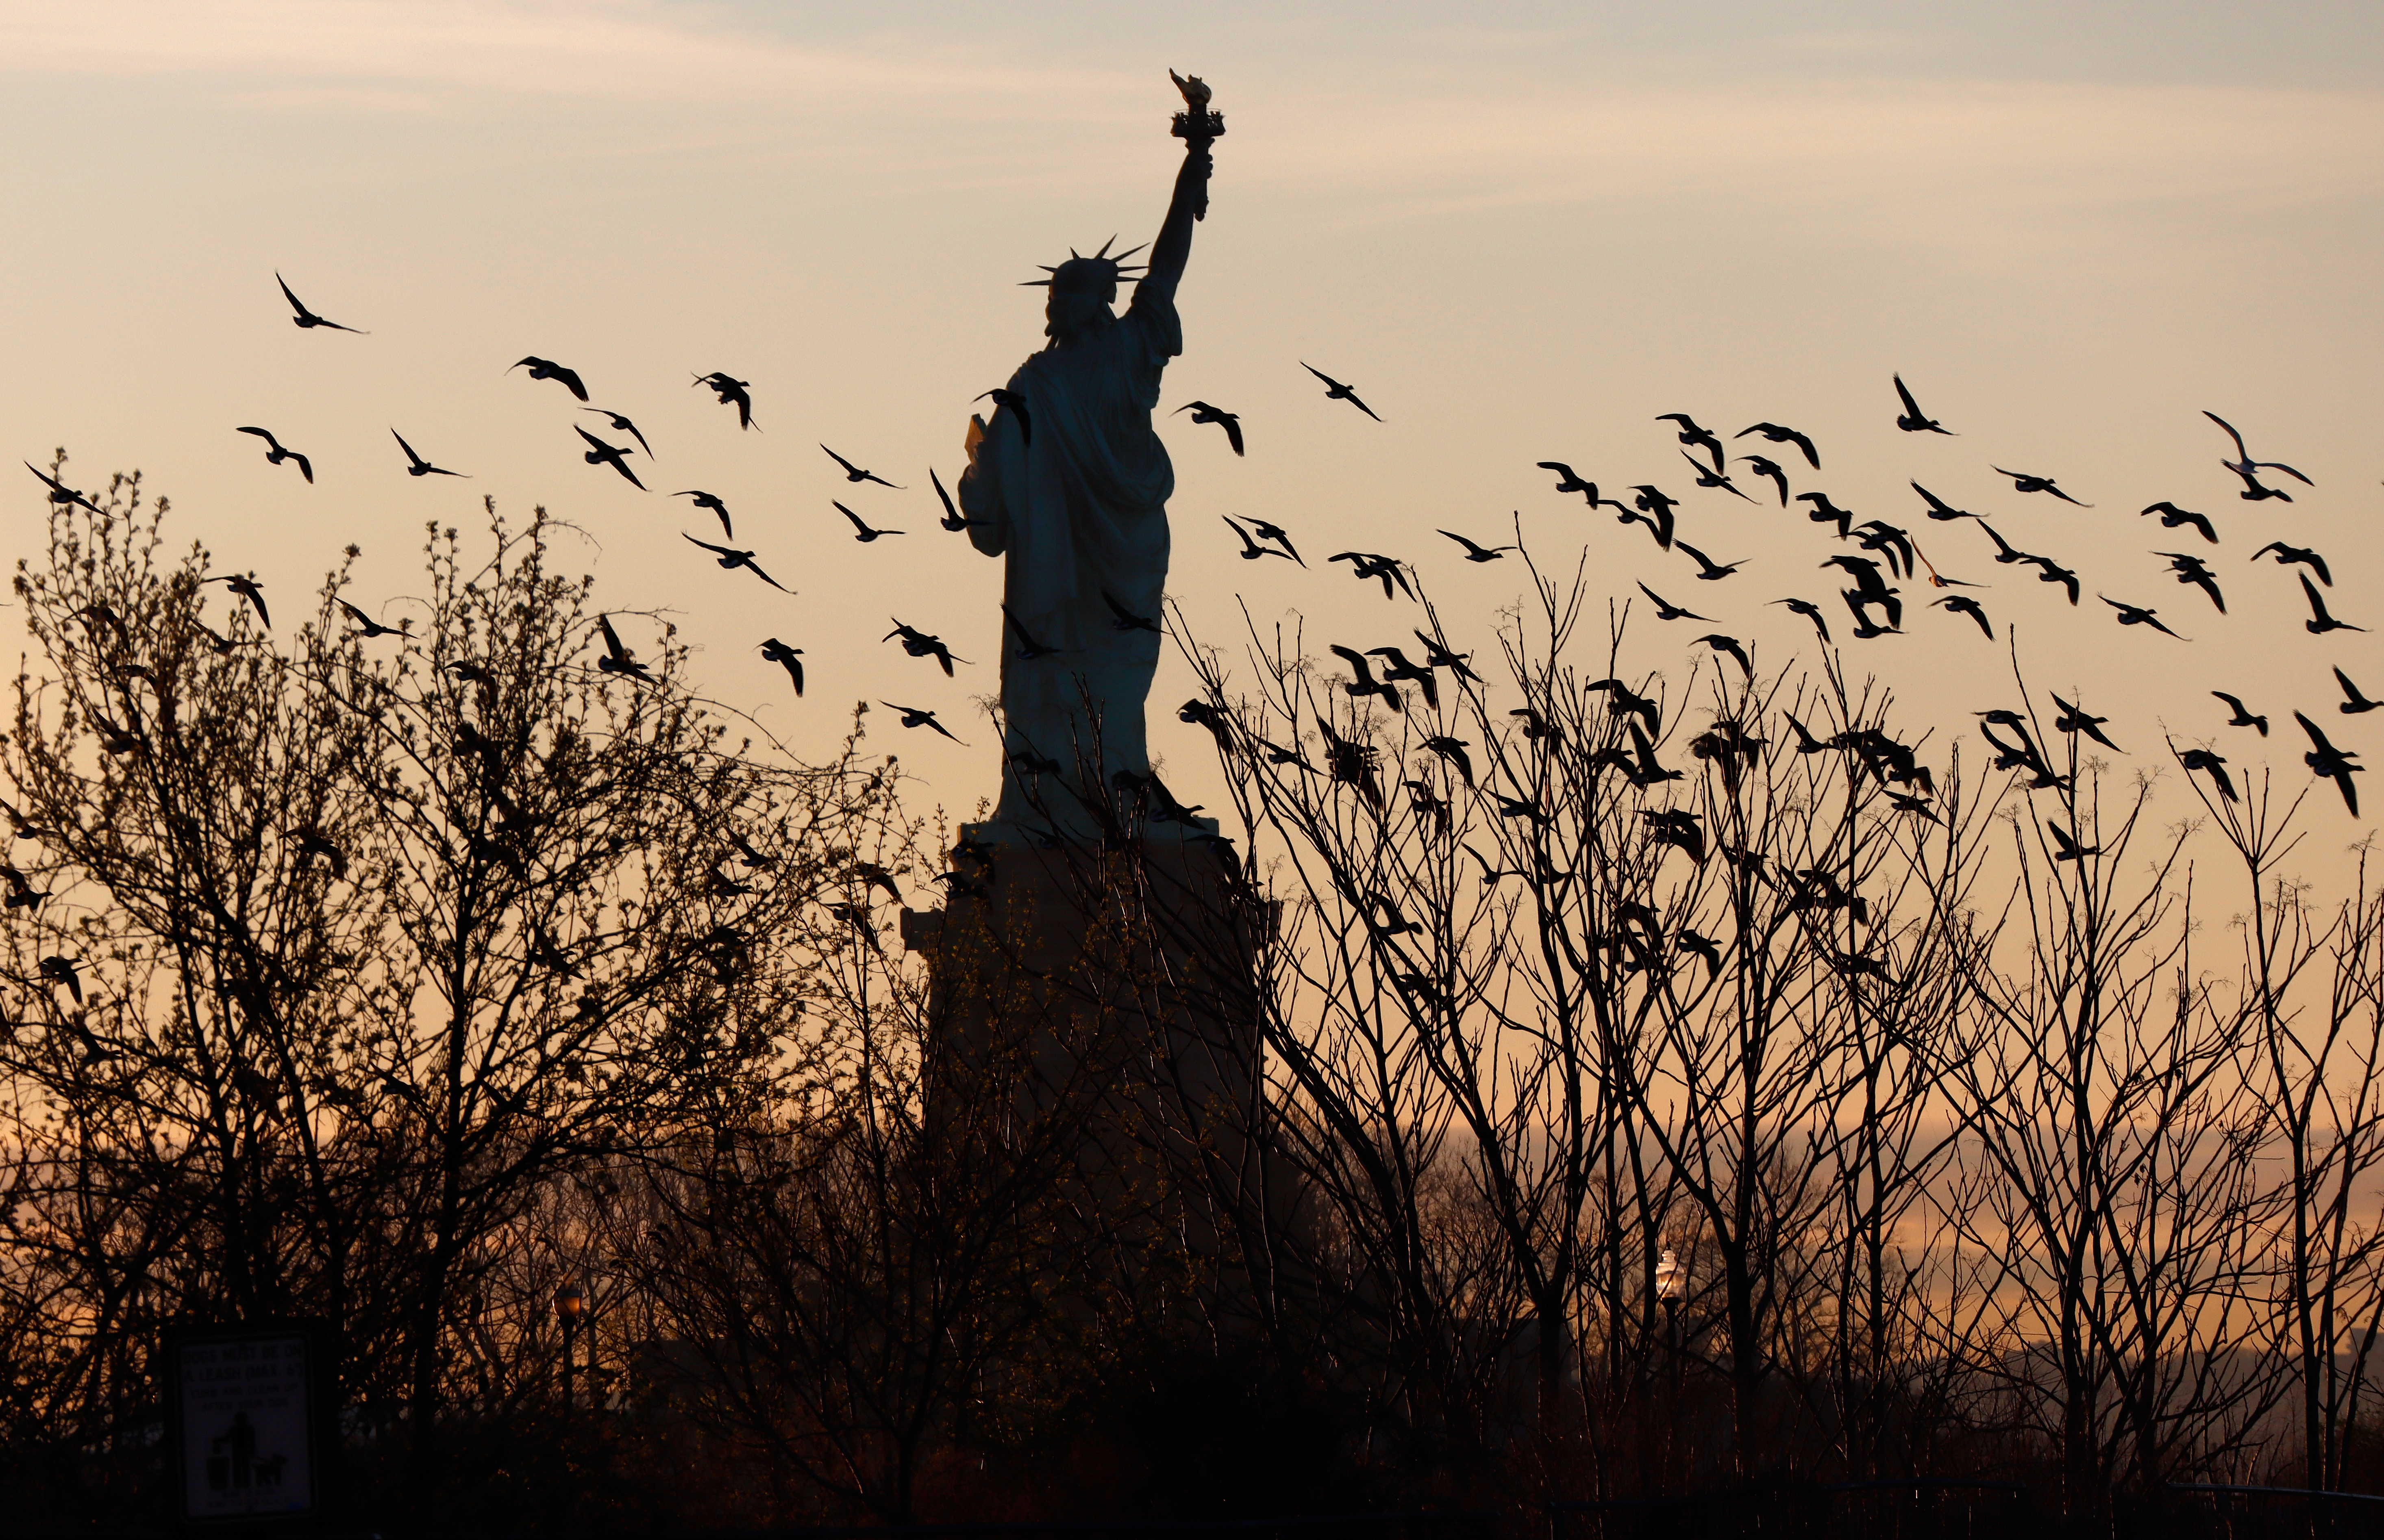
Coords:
pixel 1521 232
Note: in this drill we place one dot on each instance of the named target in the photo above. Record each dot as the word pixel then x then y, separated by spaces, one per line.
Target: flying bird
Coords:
pixel 2074 720
pixel 732 392
pixel 2051 571
pixel 2174 518
pixel 1658 511
pixel 1336 390
pixel 620 424
pixel 779 652
pixel 1666 610
pixel 732 559
pixel 2189 569
pixel 919 644
pixel 953 518
pixel 1695 436
pixel 2136 615
pixel 861 530
pixel 1810 610
pixel 1017 405
pixel 1779 435
pixel 1962 603
pixel 1029 647
pixel 601 454
pixel 275 453
pixel 415 465
pixel 2007 554
pixel 1714 477
pixel 2354 703
pixel 706 501
pixel 2320 623
pixel 547 368
pixel 1127 619
pixel 2331 763
pixel 1826 511
pixel 855 473
pixel 60 493
pixel 1914 420
pixel 1939 509
pixel 1365 683
pixel 2204 760
pixel 370 628
pixel 249 588
pixel 306 320
pixel 2249 468
pixel 1274 532
pixel 1709 570
pixel 2064 846
pixel 1437 655
pixel 1731 645
pixel 2288 554
pixel 2023 482
pixel 916 716
pixel 1398 670
pixel 1772 471
pixel 1230 421
pixel 1252 550
pixel 618 658
pixel 1478 553
pixel 2244 716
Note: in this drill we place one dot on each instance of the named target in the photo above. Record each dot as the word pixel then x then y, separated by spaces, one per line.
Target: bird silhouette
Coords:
pixel 2189 569
pixel 61 494
pixel 706 501
pixel 2074 720
pixel 1890 541
pixel 1914 420
pixel 1709 570
pixel 1826 511
pixel 1336 390
pixel 1770 471
pixel 1731 645
pixel 618 658
pixel 275 453
pixel 2329 762
pixel 1658 509
pixel 62 970
pixel 1029 647
pixel 2051 571
pixel 1714 477
pixel 2065 848
pixel 1274 532
pixel 1230 421
pixel 1479 553
pixel 305 319
pixel 1962 603
pixel 1126 620
pixel 2215 767
pixel 415 465
pixel 1938 509
pixel 1397 669
pixel 1452 749
pixel 2023 482
pixel 1779 435
pixel 249 588
pixel 2243 717
pixel 1666 610
pixel 861 530
pixel 919 644
pixel 368 627
pixel 1437 655
pixel 1365 683
pixel 855 473
pixel 2354 703
pixel 919 716
pixel 732 392
pixel 1365 564
pixel 1014 402
pixel 620 424
pixel 601 454
pixel 1623 701
pixel 731 560
pixel 2007 554
pixel 547 368
pixel 2288 554
pixel 1252 550
pixel 2137 614
pixel 2320 623
pixel 779 653
pixel 2249 468
pixel 1810 610
pixel 1695 436
pixel 2174 518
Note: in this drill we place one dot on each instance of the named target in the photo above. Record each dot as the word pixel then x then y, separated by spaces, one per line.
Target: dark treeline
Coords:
pixel 1575 1090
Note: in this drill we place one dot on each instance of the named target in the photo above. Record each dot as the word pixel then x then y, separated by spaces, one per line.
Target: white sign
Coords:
pixel 246 1426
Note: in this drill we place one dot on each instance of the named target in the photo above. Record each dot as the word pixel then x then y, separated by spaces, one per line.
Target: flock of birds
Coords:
pixel 1888 554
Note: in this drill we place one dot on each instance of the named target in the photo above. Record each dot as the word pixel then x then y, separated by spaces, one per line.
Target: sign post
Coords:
pixel 250 1422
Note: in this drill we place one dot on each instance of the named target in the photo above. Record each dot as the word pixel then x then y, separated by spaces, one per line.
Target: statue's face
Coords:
pixel 1068 313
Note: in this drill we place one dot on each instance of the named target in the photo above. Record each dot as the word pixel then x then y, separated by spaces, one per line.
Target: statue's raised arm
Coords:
pixel 1198 128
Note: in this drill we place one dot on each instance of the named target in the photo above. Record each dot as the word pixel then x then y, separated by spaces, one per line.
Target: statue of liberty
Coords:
pixel 1070 483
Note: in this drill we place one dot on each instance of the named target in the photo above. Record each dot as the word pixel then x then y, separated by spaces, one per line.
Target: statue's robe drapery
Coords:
pixel 1077 500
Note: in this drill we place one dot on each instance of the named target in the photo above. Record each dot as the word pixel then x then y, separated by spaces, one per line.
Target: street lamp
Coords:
pixel 569 1306
pixel 1671 1288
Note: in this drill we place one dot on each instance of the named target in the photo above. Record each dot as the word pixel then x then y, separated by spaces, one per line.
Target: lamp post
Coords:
pixel 569 1306
pixel 1671 1288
